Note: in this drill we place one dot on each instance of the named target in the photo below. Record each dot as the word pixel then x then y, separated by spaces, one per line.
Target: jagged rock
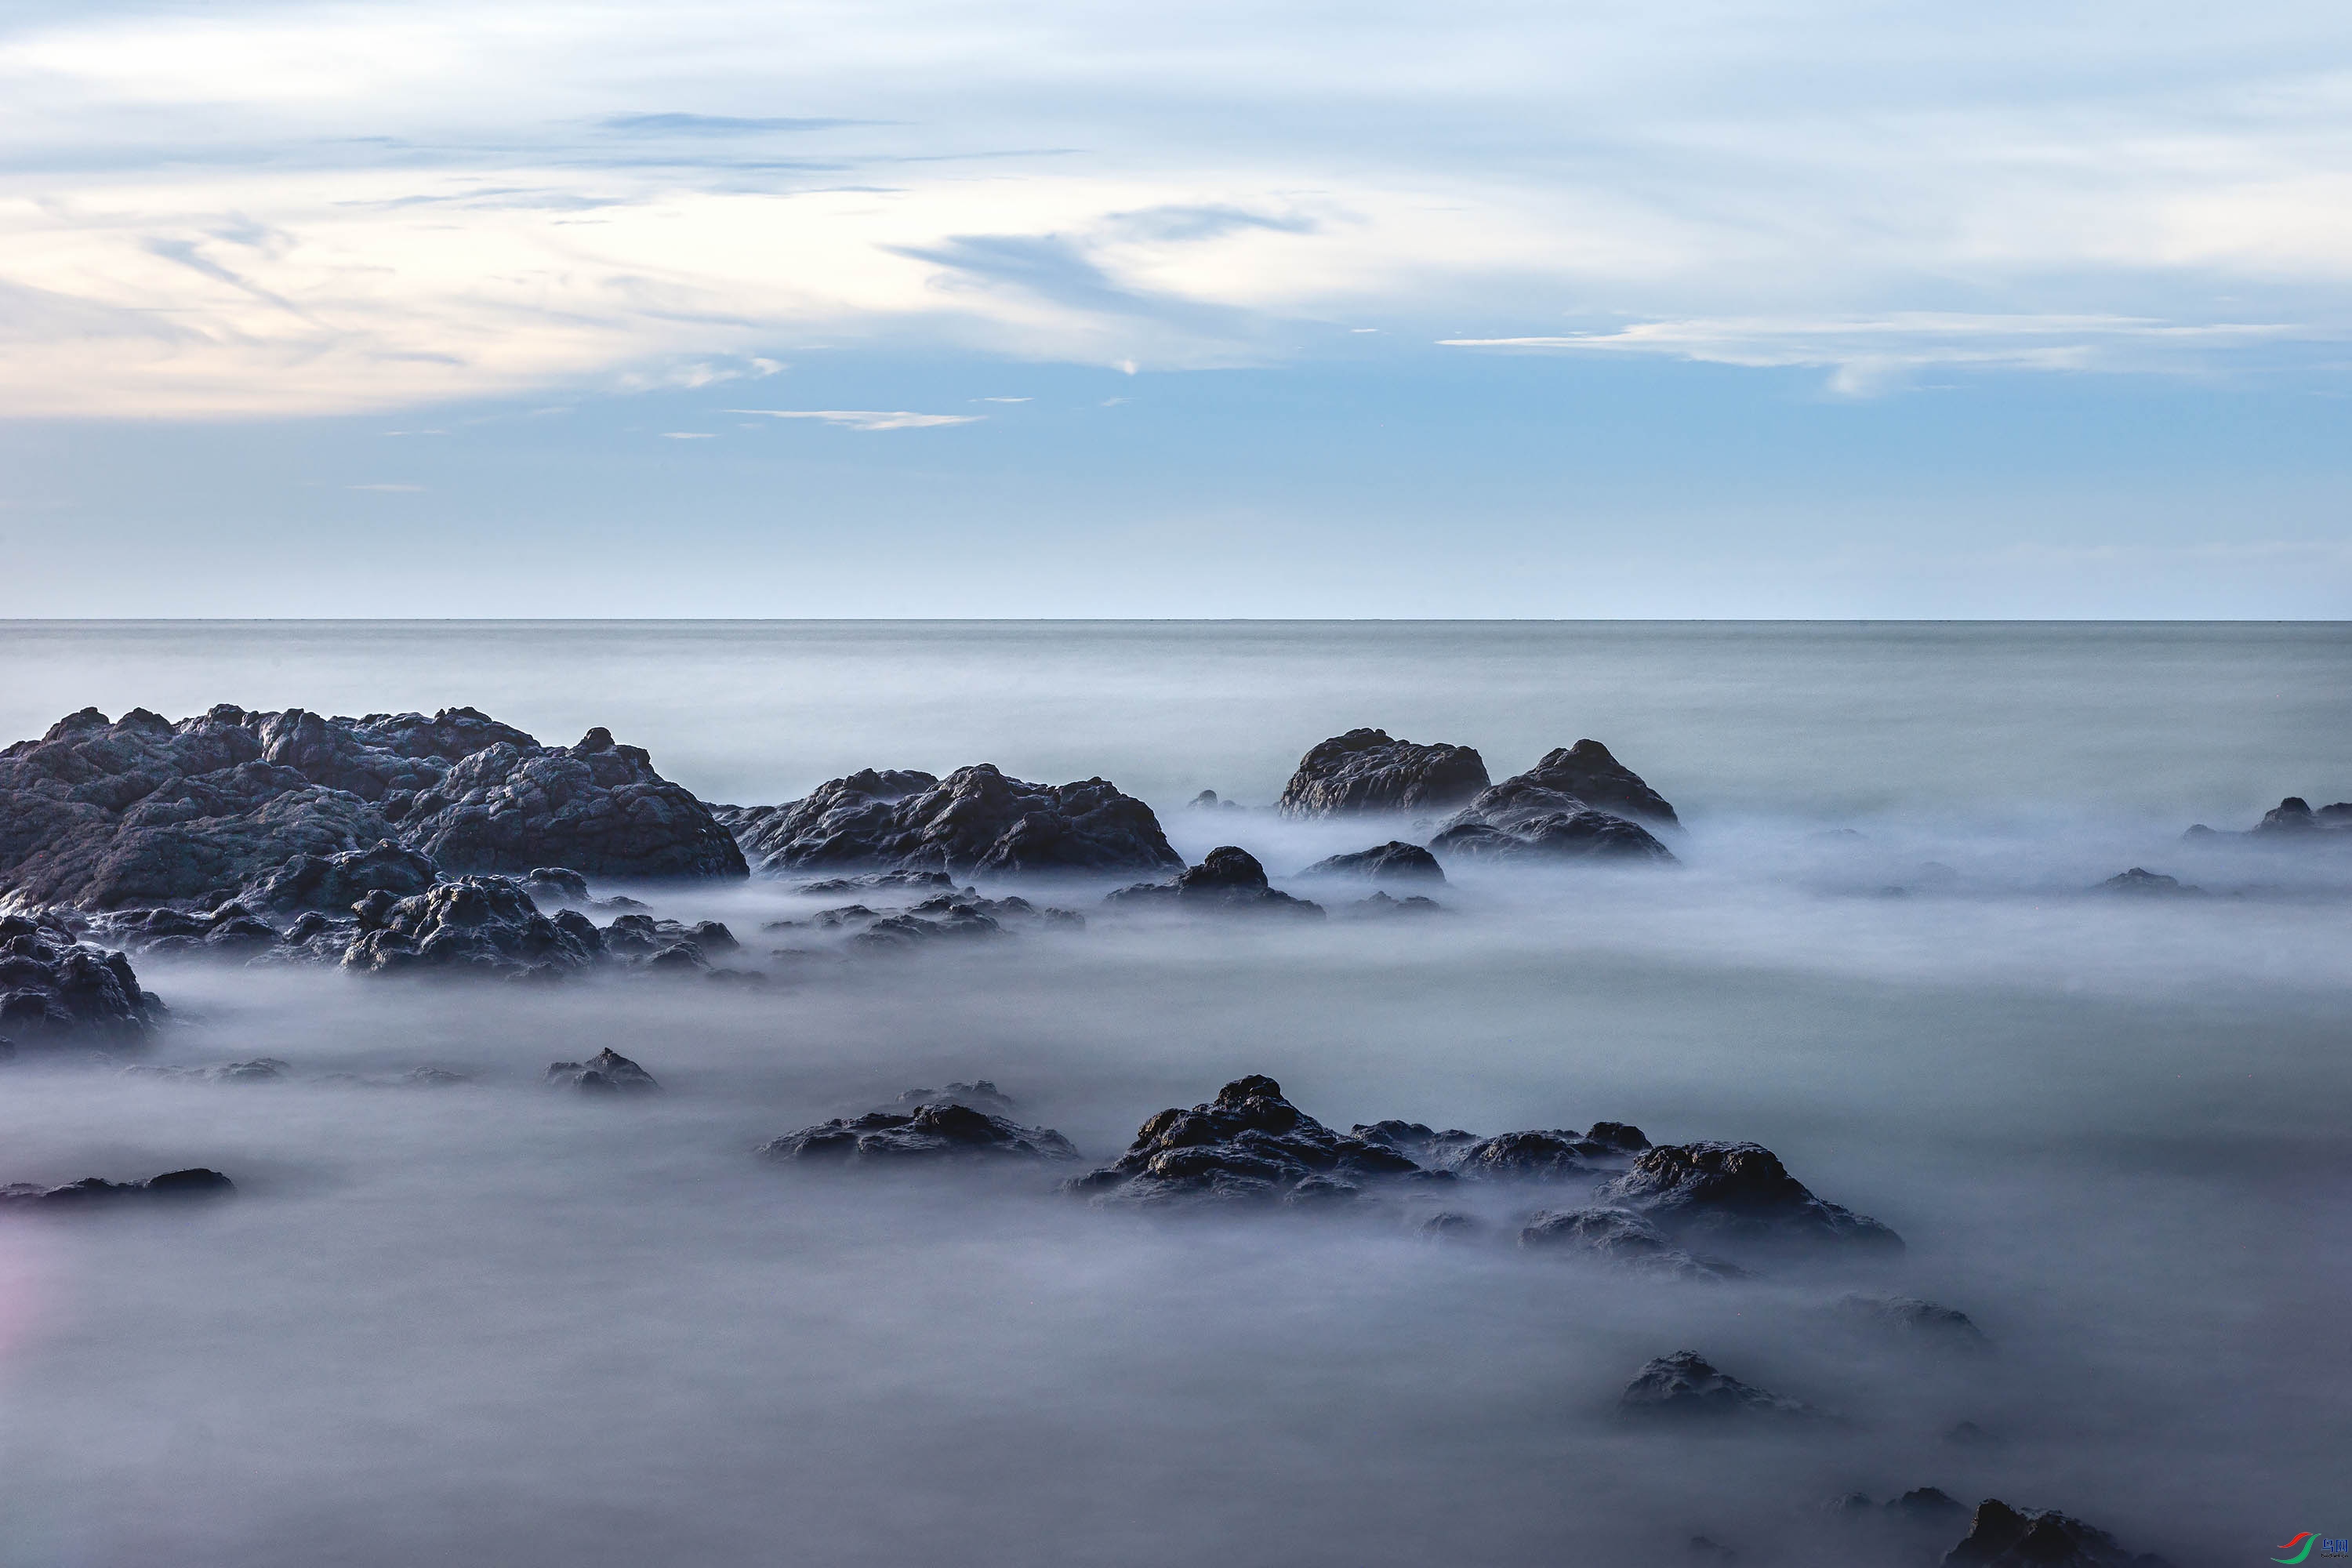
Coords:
pixel 1395 861
pixel 108 815
pixel 1685 1386
pixel 1449 1225
pixel 1379 906
pixel 1737 1193
pixel 485 923
pixel 1553 1154
pixel 893 933
pixel 607 1072
pixel 643 936
pixel 1249 1145
pixel 1228 881
pixel 1365 771
pixel 1620 1236
pixel 926 1132
pixel 974 821
pixel 979 1095
pixel 260 1069
pixel 92 1192
pixel 330 884
pixel 1909 1316
pixel 2141 881
pixel 2001 1536
pixel 1926 1506
pixel 1572 833
pixel 555 885
pixel 1417 1140
pixel 53 984
pixel 1584 775
pixel 877 881
pixel 1578 803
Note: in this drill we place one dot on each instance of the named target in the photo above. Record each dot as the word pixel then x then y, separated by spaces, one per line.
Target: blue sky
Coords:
pixel 930 309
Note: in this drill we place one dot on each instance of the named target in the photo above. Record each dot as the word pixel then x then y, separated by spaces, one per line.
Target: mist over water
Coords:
pixel 493 1323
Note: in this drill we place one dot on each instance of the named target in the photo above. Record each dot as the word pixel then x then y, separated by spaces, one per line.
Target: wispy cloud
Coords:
pixel 715 124
pixel 866 419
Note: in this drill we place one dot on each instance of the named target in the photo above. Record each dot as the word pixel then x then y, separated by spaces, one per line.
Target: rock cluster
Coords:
pixel 479 922
pixel 1366 770
pixel 92 1192
pixel 1738 1194
pixel 1247 1145
pixel 2001 1536
pixel 607 1072
pixel 2290 820
pixel 930 1133
pixel 52 983
pixel 1685 1386
pixel 975 821
pixel 1228 881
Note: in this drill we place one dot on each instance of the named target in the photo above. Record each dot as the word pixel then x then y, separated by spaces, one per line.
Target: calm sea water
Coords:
pixel 493 1325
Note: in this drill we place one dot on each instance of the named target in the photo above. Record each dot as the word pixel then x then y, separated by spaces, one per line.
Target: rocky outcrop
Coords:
pixel 1577 802
pixel 1618 1237
pixel 1249 1145
pixel 948 1131
pixel 2290 821
pixel 1365 771
pixel 1573 833
pixel 1395 862
pixel 109 815
pixel 2001 1536
pixel 92 1192
pixel 1552 1154
pixel 1228 881
pixel 484 924
pixel 1584 773
pixel 260 1069
pixel 975 821
pixel 1684 1386
pixel 1738 1194
pixel 53 985
pixel 332 884
pixel 2141 881
pixel 607 1072
pixel 979 1095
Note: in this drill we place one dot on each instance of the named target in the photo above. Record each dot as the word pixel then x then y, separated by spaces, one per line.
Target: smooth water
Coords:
pixel 489 1324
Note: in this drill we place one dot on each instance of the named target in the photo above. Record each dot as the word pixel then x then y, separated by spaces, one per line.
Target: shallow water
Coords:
pixel 488 1323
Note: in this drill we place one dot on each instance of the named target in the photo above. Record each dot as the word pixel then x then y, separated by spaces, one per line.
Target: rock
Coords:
pixel 1571 833
pixel 1620 1236
pixel 1910 1317
pixel 1228 881
pixel 1207 801
pixel 1365 771
pixel 1578 803
pixel 139 811
pixel 2002 1537
pixel 52 985
pixel 1379 906
pixel 1449 1225
pixel 1417 1140
pixel 928 1133
pixel 1738 1194
pixel 1553 1154
pixel 872 882
pixel 897 933
pixel 260 1069
pixel 644 937
pixel 1927 1507
pixel 607 1072
pixel 487 924
pixel 92 1192
pixel 555 885
pixel 332 884
pixel 1249 1145
pixel 2141 881
pixel 1682 1387
pixel 1395 861
pixel 979 1095
pixel 2290 820
pixel 974 821
pixel 1587 774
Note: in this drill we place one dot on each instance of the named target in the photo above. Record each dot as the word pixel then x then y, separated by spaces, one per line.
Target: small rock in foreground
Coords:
pixel 607 1072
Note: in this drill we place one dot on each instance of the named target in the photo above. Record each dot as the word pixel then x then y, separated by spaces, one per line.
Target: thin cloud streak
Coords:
pixel 866 419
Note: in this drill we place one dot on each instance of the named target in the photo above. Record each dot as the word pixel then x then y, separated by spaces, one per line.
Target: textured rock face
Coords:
pixel 1228 881
pixel 1249 1145
pixel 1394 862
pixel 138 811
pixel 52 985
pixel 2001 1536
pixel 332 884
pixel 1578 803
pixel 1618 1237
pixel 1548 1154
pixel 1685 1386
pixel 1570 833
pixel 1365 770
pixel 475 922
pixel 607 1072
pixel 1738 1194
pixel 974 821
pixel 1587 774
pixel 930 1133
pixel 92 1192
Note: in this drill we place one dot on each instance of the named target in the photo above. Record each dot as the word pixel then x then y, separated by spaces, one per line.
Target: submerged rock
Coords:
pixel 1585 773
pixel 1571 833
pixel 1365 771
pixel 1207 801
pixel 1228 881
pixel 1910 1317
pixel 260 1069
pixel 941 1131
pixel 53 984
pixel 979 1095
pixel 607 1072
pixel 481 924
pixel 2141 881
pixel 1684 1386
pixel 1619 1237
pixel 1380 906
pixel 1249 1145
pixel 92 1192
pixel 1395 861
pixel 2290 820
pixel 1738 1194
pixel 974 821
pixel 2001 1536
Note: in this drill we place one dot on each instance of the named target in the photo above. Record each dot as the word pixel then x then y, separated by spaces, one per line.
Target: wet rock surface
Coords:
pixel 1577 802
pixel 1228 881
pixel 1394 862
pixel 486 924
pixel 974 821
pixel 2001 1536
pixel 54 986
pixel 1585 773
pixel 1367 771
pixel 93 1192
pixel 1249 1145
pixel 607 1072
pixel 1738 1194
pixel 1686 1387
pixel 1567 833
pixel 947 1132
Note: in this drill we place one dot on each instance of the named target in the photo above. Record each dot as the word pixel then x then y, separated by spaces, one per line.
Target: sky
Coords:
pixel 921 307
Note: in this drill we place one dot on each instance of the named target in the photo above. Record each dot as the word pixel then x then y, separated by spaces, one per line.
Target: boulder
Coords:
pixel 486 924
pixel 1684 1386
pixel 1207 801
pixel 1228 881
pixel 1738 1194
pixel 1380 906
pixel 1577 802
pixel 1365 771
pixel 53 984
pixel 1619 1237
pixel 332 884
pixel 1554 1154
pixel 607 1072
pixel 1567 833
pixel 1585 773
pixel 1395 861
pixel 92 1192
pixel 1249 1145
pixel 2001 1536
pixel 2142 881
pixel 928 1133
pixel 975 821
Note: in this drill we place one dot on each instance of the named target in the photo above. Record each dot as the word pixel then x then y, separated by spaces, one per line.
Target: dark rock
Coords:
pixel 1538 1155
pixel 92 1192
pixel 898 933
pixel 1450 1225
pixel 2139 879
pixel 332 884
pixel 1228 881
pixel 974 821
pixel 260 1069
pixel 979 1095
pixel 556 885
pixel 1207 801
pixel 1737 1193
pixel 928 1133
pixel 1571 833
pixel 1584 773
pixel 1927 1507
pixel 875 882
pixel 2002 1537
pixel 1394 862
pixel 481 924
pixel 1684 1386
pixel 1417 1140
pixel 1908 1316
pixel 53 984
pixel 711 936
pixel 681 957
pixel 1249 1144
pixel 1379 906
pixel 1617 1235
pixel 607 1072
pixel 1365 771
